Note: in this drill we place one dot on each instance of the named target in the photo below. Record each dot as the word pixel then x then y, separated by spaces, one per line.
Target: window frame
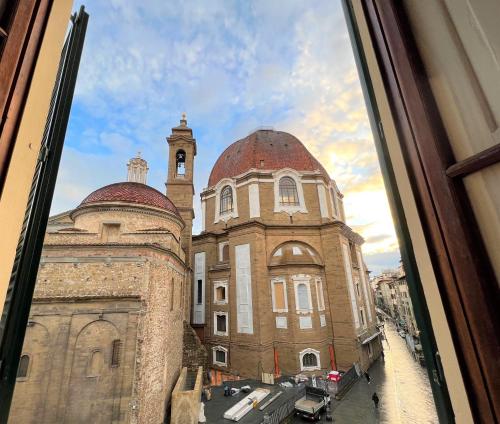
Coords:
pixel 226 199
pixel 216 329
pixel 214 356
pixel 226 215
pixel 28 368
pixel 296 177
pixel 274 281
pixel 225 284
pixel 291 187
pixel 306 280
pixel 316 353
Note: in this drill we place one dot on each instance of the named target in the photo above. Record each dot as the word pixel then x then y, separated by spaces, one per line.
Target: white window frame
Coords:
pixel 273 295
pixel 322 320
pixel 290 209
pixel 302 279
pixel 320 297
pixel 216 330
pixel 226 216
pixel 315 353
pixel 217 284
pixel 284 320
pixel 214 356
pixel 305 322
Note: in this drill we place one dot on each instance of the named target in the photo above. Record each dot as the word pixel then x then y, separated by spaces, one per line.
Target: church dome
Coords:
pixel 131 192
pixel 264 149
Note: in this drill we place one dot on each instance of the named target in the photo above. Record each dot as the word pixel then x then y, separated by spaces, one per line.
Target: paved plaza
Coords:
pixel 401 384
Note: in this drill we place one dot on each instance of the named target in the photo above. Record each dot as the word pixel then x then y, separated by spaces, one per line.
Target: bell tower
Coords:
pixel 180 188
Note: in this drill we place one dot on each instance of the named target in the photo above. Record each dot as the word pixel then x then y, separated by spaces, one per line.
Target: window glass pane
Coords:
pixel 309 360
pixel 226 200
pixel 303 296
pixel 288 192
pixel 220 356
pixel 199 297
pixel 221 323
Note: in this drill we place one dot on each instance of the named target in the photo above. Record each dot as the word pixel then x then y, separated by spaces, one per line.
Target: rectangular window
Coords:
pixel 362 314
pixel 220 356
pixel 115 353
pixel 220 292
pixel 220 323
pixel 199 291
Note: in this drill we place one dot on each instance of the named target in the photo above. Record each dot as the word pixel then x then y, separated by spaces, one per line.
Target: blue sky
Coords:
pixel 232 67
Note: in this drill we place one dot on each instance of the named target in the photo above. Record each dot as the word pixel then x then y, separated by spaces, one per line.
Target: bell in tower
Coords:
pixel 180 189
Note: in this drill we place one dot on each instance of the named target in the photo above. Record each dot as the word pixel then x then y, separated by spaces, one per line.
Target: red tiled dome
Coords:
pixel 130 192
pixel 264 149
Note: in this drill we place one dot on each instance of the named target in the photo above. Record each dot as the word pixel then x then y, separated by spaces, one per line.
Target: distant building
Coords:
pixel 393 297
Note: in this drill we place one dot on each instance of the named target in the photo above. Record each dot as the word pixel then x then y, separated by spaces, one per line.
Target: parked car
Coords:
pixel 313 404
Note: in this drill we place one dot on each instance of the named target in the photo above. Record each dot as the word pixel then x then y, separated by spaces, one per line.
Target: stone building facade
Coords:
pixel 279 283
pixel 105 336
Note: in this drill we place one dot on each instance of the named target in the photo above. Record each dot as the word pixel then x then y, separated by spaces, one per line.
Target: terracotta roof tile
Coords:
pixel 131 192
pixel 264 149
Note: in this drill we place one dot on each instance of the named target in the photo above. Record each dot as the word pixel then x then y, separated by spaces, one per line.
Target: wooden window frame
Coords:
pixel 468 286
pixel 17 64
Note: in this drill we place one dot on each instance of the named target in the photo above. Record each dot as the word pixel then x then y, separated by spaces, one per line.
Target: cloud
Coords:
pixel 232 66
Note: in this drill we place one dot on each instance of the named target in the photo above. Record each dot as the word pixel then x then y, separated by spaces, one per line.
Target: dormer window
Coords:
pixel 180 163
pixel 288 192
pixel 226 200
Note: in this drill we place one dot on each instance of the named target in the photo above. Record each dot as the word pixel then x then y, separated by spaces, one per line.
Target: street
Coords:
pixel 401 385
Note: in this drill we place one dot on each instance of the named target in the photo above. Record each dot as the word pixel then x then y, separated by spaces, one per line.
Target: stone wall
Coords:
pixel 194 352
pixel 70 376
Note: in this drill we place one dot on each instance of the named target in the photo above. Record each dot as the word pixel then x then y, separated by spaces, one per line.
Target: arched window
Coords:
pixel 180 163
pixel 288 192
pixel 22 369
pixel 226 200
pixel 303 297
pixel 309 360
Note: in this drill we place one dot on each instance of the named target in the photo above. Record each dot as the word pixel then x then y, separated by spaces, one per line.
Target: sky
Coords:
pixel 231 66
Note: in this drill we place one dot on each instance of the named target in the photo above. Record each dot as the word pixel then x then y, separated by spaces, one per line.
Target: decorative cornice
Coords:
pixel 344 229
pixel 120 207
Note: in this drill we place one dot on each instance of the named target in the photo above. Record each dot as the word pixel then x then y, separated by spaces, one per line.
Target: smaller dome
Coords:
pixel 131 192
pixel 295 253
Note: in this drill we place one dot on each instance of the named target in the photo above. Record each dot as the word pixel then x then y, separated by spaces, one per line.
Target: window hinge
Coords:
pixel 381 130
pixel 44 154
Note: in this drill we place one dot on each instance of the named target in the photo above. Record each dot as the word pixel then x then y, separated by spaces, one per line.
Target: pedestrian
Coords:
pixel 367 376
pixel 375 399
